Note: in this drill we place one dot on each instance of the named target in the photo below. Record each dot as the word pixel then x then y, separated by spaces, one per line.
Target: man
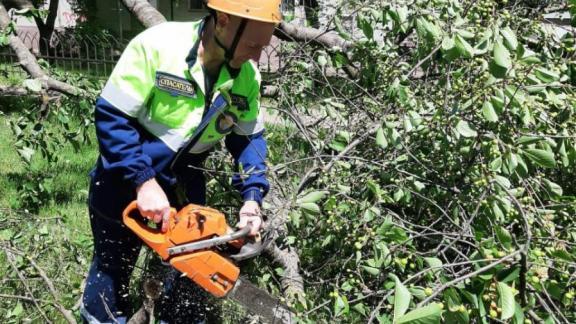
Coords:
pixel 177 89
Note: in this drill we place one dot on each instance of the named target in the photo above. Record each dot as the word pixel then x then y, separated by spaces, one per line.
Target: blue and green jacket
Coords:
pixel 156 99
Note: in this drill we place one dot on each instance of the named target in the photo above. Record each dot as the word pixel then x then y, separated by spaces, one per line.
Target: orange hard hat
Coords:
pixel 261 10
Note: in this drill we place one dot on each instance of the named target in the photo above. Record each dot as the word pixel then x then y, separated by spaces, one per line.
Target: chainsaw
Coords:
pixel 200 244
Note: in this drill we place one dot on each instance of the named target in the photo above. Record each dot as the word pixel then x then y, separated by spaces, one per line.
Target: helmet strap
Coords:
pixel 229 52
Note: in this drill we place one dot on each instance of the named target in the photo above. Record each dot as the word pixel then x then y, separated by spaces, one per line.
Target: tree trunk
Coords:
pixel 46 29
pixel 144 12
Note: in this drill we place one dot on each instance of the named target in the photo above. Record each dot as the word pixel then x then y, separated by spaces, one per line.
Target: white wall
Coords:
pixel 65 18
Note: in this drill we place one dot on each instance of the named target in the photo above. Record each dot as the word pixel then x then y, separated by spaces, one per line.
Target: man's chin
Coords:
pixel 237 63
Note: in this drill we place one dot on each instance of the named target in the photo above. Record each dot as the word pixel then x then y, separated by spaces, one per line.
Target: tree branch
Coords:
pixel 289 32
pixel 144 12
pixel 30 64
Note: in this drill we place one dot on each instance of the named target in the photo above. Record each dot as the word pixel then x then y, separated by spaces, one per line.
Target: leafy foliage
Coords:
pixel 447 164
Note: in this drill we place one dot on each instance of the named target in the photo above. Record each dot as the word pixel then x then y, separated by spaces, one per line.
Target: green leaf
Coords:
pixel 506 301
pixel 322 61
pixel 465 130
pixel 17 311
pixel 502 181
pixel 26 153
pixel 33 85
pixel 541 157
pixel 381 139
pixel 428 30
pixel 502 56
pixel 6 234
pixel 488 112
pixel 498 214
pixel 553 188
pixel 4 40
pixel 341 306
pixel 370 214
pixel 400 17
pixel 504 236
pixel 510 39
pixel 402 299
pixel 429 314
pixel 43 230
pixel 435 264
pixel 371 270
pixel 562 254
pixel 465 34
pixel 496 164
pixel 501 61
pixel 310 208
pixel 463 46
pixel 340 29
pixel 312 197
pixel 526 140
pixel 366 27
pixel 546 76
pixel 451 52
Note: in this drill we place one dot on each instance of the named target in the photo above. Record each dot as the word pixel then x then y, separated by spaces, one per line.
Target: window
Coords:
pixel 195 5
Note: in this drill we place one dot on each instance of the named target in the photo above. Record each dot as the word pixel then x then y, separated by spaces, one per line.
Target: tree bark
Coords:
pixel 290 32
pixel 30 64
pixel 17 4
pixel 46 28
pixel 144 12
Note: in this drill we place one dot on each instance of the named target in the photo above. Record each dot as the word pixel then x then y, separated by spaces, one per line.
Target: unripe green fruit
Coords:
pixel 493 313
pixel 428 291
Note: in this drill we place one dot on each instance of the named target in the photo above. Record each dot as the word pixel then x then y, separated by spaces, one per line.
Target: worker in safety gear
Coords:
pixel 171 80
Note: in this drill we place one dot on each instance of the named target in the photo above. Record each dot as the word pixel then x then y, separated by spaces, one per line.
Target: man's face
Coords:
pixel 255 37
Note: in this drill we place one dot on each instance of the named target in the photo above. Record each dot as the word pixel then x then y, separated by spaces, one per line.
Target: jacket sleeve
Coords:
pixel 119 143
pixel 122 100
pixel 249 152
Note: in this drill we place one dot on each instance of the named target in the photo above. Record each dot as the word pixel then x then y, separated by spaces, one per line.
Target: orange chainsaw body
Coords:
pixel 207 268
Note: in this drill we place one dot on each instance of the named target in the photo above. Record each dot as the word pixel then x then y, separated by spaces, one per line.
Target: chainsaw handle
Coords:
pixel 132 210
pixel 205 244
pixel 152 237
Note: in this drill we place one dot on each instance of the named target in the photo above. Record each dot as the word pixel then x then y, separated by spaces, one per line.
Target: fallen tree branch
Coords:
pixel 144 12
pixel 292 281
pixel 30 64
pixel 289 32
pixel 7 91
pixel 11 260
pixel 66 313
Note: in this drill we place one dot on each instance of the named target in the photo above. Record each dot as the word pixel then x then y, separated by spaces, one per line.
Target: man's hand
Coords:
pixel 152 203
pixel 250 214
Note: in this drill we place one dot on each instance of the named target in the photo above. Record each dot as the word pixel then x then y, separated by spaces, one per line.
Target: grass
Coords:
pixel 56 238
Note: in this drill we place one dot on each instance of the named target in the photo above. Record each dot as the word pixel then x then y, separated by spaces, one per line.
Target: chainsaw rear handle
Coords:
pixel 153 237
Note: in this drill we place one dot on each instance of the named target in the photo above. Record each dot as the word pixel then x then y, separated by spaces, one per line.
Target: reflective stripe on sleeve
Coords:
pixel 249 127
pixel 121 100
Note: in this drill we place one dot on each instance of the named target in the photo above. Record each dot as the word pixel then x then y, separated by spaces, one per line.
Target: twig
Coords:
pixel 469 275
pixel 66 313
pixel 10 259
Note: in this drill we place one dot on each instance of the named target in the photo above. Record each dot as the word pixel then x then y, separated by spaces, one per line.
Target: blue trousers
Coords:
pixel 116 248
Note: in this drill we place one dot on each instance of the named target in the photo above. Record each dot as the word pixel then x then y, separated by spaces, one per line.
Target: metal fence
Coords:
pixel 95 55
